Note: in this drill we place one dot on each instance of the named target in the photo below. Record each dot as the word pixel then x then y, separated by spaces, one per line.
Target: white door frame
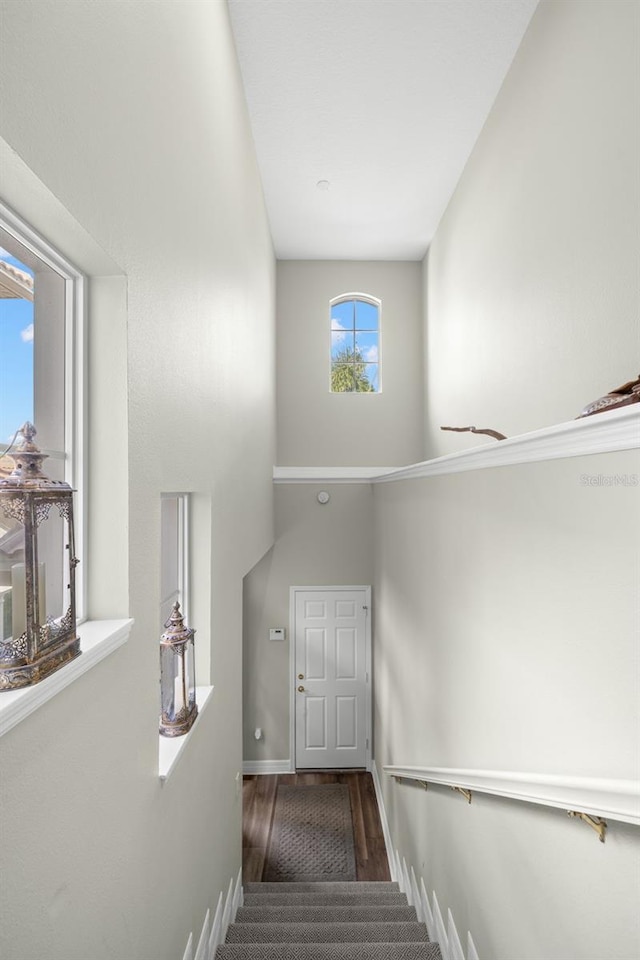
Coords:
pixel 292 666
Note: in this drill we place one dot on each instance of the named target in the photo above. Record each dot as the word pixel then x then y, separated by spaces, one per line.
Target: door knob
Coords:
pixel 300 689
pixel 301 676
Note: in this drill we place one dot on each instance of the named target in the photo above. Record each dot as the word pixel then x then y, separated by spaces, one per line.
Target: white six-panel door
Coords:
pixel 332 650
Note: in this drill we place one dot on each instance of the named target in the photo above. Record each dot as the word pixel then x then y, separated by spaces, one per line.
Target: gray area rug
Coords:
pixel 312 835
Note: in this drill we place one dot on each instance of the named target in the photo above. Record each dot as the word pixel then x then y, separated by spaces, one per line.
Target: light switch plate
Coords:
pixel 276 633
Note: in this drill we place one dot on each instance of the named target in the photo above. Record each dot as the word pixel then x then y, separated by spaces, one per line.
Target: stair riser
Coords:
pixel 325 900
pixel 339 887
pixel 330 951
pixel 326 915
pixel 326 932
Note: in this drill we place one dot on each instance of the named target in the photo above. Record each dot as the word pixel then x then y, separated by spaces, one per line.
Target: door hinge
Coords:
pixel 366 678
pixel 367 743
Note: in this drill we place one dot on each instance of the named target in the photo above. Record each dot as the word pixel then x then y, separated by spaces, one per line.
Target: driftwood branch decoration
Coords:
pixel 489 433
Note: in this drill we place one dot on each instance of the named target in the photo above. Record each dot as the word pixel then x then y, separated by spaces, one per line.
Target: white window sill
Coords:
pixel 172 748
pixel 98 638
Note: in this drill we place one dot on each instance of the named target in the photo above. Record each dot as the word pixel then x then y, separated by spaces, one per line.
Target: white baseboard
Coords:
pixel 188 953
pixel 472 953
pixel 267 766
pixel 202 950
pixel 213 934
pixel 428 909
pixel 383 820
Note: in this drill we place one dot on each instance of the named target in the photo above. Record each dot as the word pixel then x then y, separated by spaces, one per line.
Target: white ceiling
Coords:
pixel 383 98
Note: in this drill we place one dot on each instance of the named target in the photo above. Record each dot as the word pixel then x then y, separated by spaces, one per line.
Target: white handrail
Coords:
pixel 608 798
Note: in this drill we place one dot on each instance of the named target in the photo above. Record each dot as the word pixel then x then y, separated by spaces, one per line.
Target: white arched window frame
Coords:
pixel 355 344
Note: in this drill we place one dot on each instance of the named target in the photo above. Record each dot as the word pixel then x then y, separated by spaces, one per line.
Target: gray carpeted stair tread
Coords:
pixel 329 951
pixel 326 932
pixel 322 914
pixel 345 886
pixel 391 898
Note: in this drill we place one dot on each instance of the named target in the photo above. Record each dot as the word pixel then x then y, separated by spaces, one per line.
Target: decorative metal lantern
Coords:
pixel 37 570
pixel 177 677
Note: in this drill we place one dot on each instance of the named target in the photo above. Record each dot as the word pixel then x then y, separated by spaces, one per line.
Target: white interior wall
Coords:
pixel 133 117
pixel 506 600
pixel 532 278
pixel 315 545
pixel 506 635
pixel 320 428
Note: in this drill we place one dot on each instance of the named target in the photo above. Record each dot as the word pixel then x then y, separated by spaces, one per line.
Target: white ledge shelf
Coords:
pixel 98 638
pixel 601 433
pixel 612 799
pixel 172 748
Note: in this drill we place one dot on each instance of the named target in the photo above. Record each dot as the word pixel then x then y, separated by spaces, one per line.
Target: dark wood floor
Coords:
pixel 259 795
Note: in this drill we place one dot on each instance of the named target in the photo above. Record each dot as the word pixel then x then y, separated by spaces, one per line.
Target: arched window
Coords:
pixel 355 344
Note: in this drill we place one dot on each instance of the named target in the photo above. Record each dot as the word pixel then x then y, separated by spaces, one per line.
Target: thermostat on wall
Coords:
pixel 276 633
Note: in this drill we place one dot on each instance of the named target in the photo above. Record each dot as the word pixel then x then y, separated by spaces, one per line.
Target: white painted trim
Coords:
pixel 263 767
pixel 329 474
pixel 472 953
pixel 427 912
pixel 611 799
pixel 203 943
pixel 98 639
pixel 227 914
pixel 405 884
pixel 170 749
pixel 602 433
pixel 292 664
pixel 455 947
pixel 188 953
pixel 216 928
pixel 439 930
pixel 238 896
pixel 415 895
pixel 377 786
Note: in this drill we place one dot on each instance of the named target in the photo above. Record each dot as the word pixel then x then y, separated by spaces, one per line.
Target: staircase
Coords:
pixel 326 921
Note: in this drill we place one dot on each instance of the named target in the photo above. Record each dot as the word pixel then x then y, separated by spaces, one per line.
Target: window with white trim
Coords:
pixel 41 321
pixel 355 344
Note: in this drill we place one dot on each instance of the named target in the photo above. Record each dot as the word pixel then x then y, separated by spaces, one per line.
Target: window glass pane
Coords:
pixel 16 347
pixel 341 346
pixel 174 535
pixel 342 378
pixel 367 347
pixel 169 550
pixel 32 344
pixel 342 315
pixel 372 377
pixel 366 316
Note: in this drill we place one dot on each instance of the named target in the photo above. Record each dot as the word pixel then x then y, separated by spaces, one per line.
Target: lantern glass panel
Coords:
pixel 168 675
pixel 191 673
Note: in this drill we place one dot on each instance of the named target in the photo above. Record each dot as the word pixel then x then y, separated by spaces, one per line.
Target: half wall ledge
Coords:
pixel 602 433
pixel 98 638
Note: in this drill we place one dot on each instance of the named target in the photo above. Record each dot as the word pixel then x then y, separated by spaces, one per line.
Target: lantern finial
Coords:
pixel 27 459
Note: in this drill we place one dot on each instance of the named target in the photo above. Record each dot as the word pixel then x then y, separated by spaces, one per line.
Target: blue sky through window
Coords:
pixel 16 360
